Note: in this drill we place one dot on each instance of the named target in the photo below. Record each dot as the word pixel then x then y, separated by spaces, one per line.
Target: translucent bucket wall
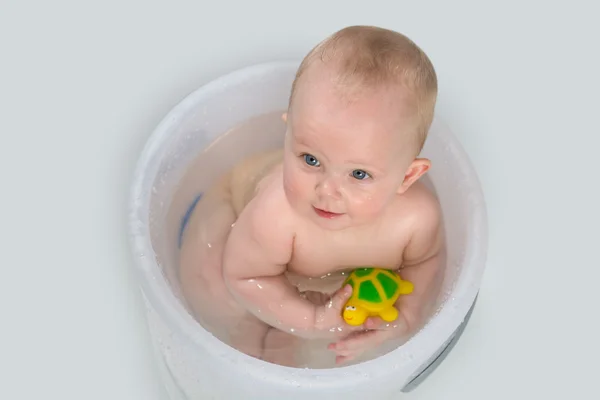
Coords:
pixel 195 364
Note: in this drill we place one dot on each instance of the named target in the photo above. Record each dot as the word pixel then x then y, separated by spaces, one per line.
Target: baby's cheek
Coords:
pixel 295 185
pixel 367 204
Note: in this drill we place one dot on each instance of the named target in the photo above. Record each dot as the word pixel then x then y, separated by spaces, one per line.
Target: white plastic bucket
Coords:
pixel 198 366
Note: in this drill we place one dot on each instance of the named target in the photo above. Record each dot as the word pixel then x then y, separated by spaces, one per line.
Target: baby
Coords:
pixel 344 192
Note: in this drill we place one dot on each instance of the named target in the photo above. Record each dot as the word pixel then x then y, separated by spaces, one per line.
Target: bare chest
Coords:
pixel 320 253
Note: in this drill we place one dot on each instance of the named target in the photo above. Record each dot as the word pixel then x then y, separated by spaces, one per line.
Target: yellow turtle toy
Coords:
pixel 374 293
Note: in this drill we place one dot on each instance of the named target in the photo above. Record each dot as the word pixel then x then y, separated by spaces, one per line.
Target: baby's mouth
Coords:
pixel 325 214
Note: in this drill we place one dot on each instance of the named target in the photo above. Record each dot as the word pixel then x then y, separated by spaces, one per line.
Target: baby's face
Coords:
pixel 343 163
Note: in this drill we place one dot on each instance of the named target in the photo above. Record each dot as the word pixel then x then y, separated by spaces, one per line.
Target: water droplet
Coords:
pixel 209 245
pixel 259 285
pixel 154 190
pixel 292 330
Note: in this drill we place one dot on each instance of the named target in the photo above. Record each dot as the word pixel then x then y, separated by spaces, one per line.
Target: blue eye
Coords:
pixel 360 174
pixel 311 160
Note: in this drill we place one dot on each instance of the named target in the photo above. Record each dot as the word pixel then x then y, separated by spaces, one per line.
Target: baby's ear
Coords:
pixel 416 170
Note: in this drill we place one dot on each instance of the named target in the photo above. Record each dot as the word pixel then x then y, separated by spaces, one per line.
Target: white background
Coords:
pixel 83 85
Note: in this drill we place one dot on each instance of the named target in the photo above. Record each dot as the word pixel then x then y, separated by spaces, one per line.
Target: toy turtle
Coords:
pixel 374 293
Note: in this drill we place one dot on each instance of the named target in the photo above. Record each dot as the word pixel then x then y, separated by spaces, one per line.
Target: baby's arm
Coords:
pixel 422 266
pixel 257 252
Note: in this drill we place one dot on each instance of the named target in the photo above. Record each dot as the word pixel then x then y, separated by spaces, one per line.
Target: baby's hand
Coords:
pixel 328 316
pixel 412 312
pixel 377 333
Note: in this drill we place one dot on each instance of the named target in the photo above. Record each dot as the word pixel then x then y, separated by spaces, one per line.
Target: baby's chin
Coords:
pixel 337 224
pixel 331 223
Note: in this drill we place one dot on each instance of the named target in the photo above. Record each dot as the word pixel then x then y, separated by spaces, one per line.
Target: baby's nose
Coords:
pixel 329 186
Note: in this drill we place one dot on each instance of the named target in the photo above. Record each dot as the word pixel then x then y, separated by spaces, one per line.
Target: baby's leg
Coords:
pixel 200 271
pixel 257 339
pixel 287 349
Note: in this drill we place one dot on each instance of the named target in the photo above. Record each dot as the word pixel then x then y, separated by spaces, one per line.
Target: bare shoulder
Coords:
pixel 423 205
pixel 422 212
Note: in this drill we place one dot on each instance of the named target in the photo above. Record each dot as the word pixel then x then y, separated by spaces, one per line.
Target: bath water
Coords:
pixel 261 133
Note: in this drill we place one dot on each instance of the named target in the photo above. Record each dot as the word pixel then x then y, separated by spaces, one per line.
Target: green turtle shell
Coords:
pixel 374 285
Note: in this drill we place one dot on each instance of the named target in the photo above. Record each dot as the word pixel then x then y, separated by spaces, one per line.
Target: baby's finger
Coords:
pixel 345 353
pixel 343 359
pixel 339 299
pixel 360 341
pixel 374 323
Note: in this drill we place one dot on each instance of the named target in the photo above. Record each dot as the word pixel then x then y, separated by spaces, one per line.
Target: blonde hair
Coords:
pixel 372 57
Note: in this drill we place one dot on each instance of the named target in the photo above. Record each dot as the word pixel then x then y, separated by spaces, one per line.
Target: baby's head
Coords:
pixel 359 112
